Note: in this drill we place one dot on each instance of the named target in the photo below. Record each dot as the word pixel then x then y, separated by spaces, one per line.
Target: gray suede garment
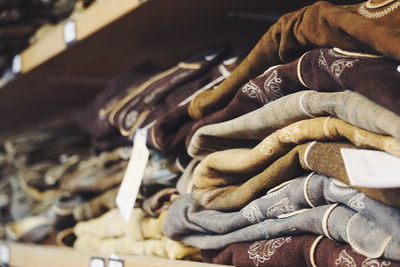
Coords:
pixel 296 207
pixel 275 115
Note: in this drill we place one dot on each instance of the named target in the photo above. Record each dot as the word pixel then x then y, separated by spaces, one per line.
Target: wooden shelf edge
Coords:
pixel 97 16
pixel 38 256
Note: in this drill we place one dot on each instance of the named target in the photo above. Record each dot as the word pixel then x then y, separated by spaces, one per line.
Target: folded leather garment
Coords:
pixel 232 163
pixel 230 191
pixel 334 221
pixel 45 144
pixel 170 130
pixel 258 124
pixel 94 180
pixel 111 234
pixel 96 206
pixel 371 26
pixel 320 69
pixel 159 202
pixel 287 251
pixel 143 94
pixel 306 192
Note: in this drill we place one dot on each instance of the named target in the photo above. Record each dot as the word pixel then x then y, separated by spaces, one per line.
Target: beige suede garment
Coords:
pixel 231 187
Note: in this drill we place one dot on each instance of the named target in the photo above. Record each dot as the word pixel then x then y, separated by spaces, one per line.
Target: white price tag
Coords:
pixel 133 176
pixel 70 32
pixel 371 168
pixel 16 64
pixel 97 262
pixel 114 261
pixel 4 254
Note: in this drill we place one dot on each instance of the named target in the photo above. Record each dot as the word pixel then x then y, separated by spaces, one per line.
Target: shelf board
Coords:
pixel 114 35
pixel 39 256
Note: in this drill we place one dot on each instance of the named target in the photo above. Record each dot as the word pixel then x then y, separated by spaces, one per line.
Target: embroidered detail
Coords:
pixel 392 145
pixel 363 11
pixel 253 91
pixel 262 251
pixel 369 262
pixel 339 191
pixel 267 146
pixel 271 85
pixel 290 133
pixel 345 260
pixel 252 213
pixel 131 117
pixel 357 202
pixel 280 207
pixel 359 140
pixel 338 66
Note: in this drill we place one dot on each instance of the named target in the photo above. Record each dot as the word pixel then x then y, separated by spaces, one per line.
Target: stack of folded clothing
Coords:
pixel 268 185
pixel 246 156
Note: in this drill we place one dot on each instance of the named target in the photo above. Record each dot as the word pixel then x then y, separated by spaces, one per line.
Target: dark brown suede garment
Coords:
pixel 322 69
pixel 303 250
pixel 371 27
pixel 171 129
pixel 142 95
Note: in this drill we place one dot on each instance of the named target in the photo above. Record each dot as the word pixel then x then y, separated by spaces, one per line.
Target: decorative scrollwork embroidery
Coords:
pixel 338 66
pixel 357 202
pixel 363 11
pixel 252 213
pixel 280 207
pixel 368 262
pixel 253 91
pixel 262 251
pixel 345 260
pixel 272 85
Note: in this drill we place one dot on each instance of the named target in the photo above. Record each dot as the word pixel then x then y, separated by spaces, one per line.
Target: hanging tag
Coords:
pixel 133 176
pixel 97 262
pixel 70 32
pixel 4 255
pixel 114 261
pixel 16 66
pixel 371 168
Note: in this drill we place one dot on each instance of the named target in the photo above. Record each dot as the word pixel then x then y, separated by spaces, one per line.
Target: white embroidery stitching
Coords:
pixel 338 66
pixel 252 213
pixel 345 260
pixel 280 207
pixel 369 262
pixel 271 85
pixel 357 202
pixel 362 10
pixel 262 251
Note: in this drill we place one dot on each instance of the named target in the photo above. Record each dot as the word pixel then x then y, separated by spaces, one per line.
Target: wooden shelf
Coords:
pixel 23 255
pixel 114 35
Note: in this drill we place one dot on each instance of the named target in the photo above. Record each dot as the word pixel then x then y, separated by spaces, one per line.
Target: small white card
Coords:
pixel 70 32
pixel 97 262
pixel 16 66
pixel 133 176
pixel 371 168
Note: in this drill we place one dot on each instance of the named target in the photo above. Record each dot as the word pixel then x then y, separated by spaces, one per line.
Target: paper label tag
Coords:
pixel 133 176
pixel 371 168
pixel 70 32
pixel 4 254
pixel 114 261
pixel 97 262
pixel 16 66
